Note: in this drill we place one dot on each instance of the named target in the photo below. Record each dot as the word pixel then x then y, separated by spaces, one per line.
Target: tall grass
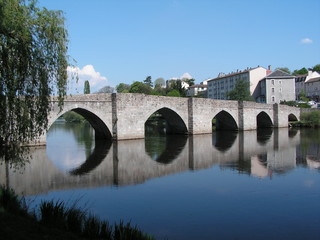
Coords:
pixel 11 202
pixel 55 214
pixel 311 119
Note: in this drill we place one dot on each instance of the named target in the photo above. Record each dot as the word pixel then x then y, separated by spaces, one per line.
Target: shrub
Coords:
pixel 311 118
pixel 10 202
pixel 173 93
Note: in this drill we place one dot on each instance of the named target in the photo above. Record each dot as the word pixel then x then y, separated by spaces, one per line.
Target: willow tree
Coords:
pixel 33 66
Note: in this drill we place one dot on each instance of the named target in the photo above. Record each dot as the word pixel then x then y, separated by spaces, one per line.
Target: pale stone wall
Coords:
pixel 250 112
pixel 284 112
pixel 133 110
pixel 204 110
pixel 124 115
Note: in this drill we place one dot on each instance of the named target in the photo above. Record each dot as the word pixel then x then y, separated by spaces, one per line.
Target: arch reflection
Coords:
pixel 165 149
pixel 223 140
pixel 264 135
pixel 99 153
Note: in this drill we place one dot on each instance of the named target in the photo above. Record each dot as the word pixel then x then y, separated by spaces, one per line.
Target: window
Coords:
pixel 280 90
pixel 273 99
pixel 272 90
pixel 272 81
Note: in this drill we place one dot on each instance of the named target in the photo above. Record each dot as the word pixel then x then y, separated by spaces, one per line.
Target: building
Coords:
pixel 309 85
pixel 276 87
pixel 198 90
pixel 224 83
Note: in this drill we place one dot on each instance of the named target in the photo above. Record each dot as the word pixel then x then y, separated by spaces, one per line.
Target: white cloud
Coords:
pixel 88 72
pixel 306 41
pixel 186 76
pixel 183 76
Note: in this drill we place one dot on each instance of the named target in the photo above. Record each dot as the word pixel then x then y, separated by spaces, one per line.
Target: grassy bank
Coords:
pixel 54 220
pixel 308 119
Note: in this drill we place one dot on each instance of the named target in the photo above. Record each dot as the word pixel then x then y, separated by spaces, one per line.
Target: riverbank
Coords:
pixel 308 119
pixel 54 220
pixel 23 227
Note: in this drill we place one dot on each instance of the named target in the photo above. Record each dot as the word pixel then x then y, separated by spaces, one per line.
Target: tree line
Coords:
pixel 302 71
pixel 160 87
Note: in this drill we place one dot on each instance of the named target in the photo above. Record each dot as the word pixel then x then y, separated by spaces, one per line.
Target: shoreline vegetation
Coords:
pixel 308 119
pixel 54 220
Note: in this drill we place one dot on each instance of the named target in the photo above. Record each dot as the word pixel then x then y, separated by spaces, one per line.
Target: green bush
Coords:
pixel 311 119
pixel 173 93
pixel 10 202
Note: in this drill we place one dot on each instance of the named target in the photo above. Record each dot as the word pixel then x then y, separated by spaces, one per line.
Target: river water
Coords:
pixel 250 185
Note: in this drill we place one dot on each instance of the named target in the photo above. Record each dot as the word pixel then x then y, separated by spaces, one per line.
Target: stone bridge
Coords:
pixel 122 116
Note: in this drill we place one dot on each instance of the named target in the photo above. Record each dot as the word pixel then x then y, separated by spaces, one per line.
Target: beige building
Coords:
pixel 224 83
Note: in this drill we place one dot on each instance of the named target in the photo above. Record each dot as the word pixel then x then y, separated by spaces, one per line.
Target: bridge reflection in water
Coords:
pixel 130 162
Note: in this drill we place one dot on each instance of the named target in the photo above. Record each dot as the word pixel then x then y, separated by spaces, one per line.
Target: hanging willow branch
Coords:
pixel 33 66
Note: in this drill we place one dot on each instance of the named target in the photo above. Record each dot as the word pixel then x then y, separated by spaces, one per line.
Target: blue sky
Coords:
pixel 116 41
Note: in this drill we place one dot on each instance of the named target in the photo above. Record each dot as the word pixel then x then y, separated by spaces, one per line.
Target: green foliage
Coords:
pixel 159 83
pixel 106 89
pixel 53 214
pixel 57 214
pixel 311 118
pixel 86 89
pixel 148 81
pixel 302 71
pixel 289 103
pixel 190 81
pixel 33 60
pixel 73 117
pixel 316 68
pixel 296 104
pixel 122 87
pixel 10 202
pixel 139 87
pixel 241 92
pixel 173 93
pixel 126 231
pixel 176 85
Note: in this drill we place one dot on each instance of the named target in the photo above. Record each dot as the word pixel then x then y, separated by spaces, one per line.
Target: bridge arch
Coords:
pixel 225 121
pixel 101 129
pixel 174 123
pixel 264 120
pixel 292 117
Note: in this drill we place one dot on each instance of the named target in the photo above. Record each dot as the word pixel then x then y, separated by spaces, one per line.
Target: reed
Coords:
pixel 56 214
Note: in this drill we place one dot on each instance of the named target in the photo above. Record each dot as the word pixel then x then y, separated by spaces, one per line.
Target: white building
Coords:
pixel 198 90
pixel 309 84
pixel 276 87
pixel 224 83
pixel 183 79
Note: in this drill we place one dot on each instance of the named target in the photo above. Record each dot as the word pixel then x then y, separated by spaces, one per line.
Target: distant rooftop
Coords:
pixel 279 74
pixel 223 75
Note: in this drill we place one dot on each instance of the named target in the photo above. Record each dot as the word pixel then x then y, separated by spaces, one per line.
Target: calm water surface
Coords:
pixel 251 185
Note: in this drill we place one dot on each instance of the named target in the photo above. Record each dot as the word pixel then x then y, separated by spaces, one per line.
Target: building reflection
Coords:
pixel 135 161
